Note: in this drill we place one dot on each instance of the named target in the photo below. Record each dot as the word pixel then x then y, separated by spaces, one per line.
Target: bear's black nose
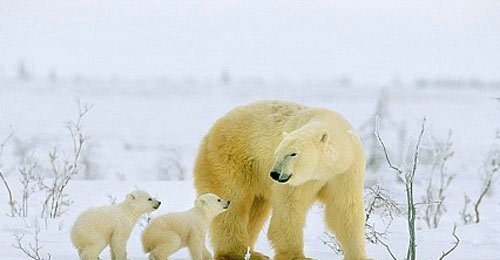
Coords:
pixel 228 202
pixel 275 175
pixel 159 203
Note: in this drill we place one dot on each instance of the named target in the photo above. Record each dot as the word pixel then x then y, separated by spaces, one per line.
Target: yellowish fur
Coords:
pixel 111 225
pixel 240 151
pixel 168 233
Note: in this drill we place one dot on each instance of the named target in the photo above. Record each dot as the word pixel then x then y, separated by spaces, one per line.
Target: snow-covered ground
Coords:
pixel 136 126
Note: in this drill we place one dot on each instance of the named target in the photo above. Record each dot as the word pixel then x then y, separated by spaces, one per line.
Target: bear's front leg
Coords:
pixel 290 206
pixel 345 215
pixel 196 247
pixel 229 233
pixel 118 245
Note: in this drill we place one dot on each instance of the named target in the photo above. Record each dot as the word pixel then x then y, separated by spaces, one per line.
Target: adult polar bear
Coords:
pixel 282 156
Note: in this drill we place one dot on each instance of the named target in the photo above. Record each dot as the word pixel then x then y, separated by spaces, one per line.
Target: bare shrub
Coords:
pixel 32 249
pixel 330 241
pixel 30 180
pixel 408 178
pixel 64 170
pixel 489 174
pixel 491 168
pixel 454 246
pixel 11 202
pixel 438 183
pixel 378 201
pixel 465 214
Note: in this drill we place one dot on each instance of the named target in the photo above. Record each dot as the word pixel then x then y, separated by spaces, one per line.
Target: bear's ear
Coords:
pixel 201 202
pixel 324 137
pixel 130 196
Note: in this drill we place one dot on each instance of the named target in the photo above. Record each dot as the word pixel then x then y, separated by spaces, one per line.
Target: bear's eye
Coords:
pixel 293 154
pixel 218 200
pixel 150 199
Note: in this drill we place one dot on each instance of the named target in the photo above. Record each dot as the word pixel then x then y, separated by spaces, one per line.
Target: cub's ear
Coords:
pixel 200 202
pixel 130 196
pixel 325 137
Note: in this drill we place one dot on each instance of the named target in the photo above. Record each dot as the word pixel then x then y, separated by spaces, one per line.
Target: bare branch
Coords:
pixel 454 246
pixel 484 191
pixel 9 192
pixel 408 181
pixel 381 142
pixel 436 192
pixel 5 141
pixel 11 202
pixel 387 248
pixel 464 214
pixel 64 170
pixel 491 169
pixel 29 180
pixel 33 251
pixel 332 243
pixel 416 153
pixel 378 198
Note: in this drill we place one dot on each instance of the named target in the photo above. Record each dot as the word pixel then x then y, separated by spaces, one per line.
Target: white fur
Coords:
pixel 111 225
pixel 171 232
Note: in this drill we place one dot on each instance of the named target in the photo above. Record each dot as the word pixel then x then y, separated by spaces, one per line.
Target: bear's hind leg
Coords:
pixel 92 252
pixel 166 248
pixel 259 212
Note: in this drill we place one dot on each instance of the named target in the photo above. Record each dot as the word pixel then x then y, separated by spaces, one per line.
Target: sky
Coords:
pixel 369 41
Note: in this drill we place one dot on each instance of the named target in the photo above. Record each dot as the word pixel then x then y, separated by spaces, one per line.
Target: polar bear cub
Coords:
pixel 111 225
pixel 171 232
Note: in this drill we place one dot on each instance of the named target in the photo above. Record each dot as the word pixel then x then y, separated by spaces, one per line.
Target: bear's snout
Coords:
pixel 275 175
pixel 280 177
pixel 227 204
pixel 157 205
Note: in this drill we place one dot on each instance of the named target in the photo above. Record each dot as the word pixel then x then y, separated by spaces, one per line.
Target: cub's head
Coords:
pixel 298 155
pixel 142 202
pixel 212 203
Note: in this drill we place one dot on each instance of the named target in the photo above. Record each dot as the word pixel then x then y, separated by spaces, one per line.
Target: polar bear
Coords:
pixel 282 156
pixel 169 233
pixel 97 227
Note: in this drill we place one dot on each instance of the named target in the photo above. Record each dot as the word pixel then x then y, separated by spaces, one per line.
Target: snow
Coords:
pixel 133 123
pixel 158 74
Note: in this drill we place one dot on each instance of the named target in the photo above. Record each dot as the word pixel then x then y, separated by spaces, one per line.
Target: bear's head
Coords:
pixel 301 156
pixel 212 204
pixel 142 202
